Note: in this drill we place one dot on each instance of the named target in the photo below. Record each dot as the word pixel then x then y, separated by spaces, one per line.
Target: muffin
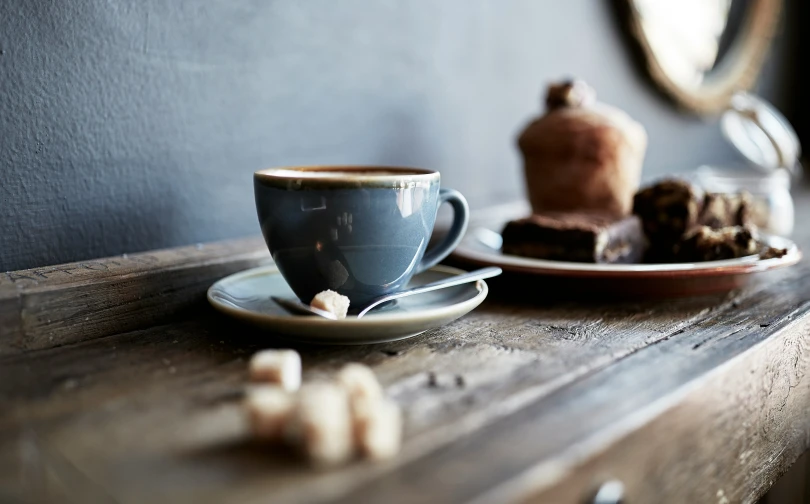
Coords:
pixel 582 155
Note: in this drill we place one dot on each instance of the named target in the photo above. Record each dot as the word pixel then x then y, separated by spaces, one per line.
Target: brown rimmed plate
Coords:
pixel 481 246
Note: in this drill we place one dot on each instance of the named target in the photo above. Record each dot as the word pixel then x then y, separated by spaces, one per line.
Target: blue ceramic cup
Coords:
pixel 359 230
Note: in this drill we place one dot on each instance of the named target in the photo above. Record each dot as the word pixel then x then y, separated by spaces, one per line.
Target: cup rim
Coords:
pixel 364 175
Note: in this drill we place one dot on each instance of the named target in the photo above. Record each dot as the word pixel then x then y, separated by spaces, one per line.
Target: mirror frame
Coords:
pixel 737 71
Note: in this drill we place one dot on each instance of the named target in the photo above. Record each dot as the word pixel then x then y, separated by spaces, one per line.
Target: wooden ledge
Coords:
pixel 522 400
pixel 55 305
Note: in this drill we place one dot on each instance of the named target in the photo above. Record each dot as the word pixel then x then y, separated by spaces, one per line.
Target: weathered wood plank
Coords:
pixel 793 487
pixel 51 306
pixel 161 405
pixel 591 416
pixel 727 435
pixel 554 397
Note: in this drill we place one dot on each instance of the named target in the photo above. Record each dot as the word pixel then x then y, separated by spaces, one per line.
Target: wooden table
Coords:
pixel 118 383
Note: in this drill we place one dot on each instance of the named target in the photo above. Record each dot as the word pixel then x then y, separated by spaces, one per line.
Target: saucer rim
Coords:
pixel 367 322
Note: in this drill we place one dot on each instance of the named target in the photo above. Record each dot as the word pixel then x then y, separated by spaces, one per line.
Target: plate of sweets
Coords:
pixel 592 229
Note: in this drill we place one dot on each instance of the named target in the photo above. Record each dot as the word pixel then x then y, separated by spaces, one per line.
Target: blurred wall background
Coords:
pixel 134 125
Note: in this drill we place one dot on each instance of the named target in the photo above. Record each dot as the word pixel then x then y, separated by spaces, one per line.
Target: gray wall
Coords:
pixel 132 125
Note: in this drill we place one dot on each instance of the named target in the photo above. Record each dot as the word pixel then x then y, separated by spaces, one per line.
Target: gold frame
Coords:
pixel 738 71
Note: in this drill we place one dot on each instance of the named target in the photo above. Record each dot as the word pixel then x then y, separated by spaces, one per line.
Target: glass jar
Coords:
pixel 772 203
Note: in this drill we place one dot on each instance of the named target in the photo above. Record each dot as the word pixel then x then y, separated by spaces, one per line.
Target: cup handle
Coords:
pixel 461 217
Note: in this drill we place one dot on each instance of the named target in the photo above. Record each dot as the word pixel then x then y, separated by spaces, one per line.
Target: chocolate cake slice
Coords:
pixel 668 210
pixel 723 210
pixel 706 244
pixel 673 211
pixel 577 237
pixel 769 252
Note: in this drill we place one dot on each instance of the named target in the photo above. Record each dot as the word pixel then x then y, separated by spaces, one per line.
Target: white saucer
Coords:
pixel 246 296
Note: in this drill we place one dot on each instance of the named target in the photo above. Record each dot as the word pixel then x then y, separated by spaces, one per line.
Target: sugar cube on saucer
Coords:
pixel 332 302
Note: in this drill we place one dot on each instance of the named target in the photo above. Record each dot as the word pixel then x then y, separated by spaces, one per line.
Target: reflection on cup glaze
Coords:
pixel 309 203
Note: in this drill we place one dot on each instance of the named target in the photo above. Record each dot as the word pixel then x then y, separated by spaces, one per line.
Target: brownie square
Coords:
pixel 673 212
pixel 668 210
pixel 577 237
pixel 723 210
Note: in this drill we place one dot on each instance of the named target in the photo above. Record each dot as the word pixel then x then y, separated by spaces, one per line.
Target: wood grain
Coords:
pixel 793 487
pixel 161 404
pixel 594 415
pixel 51 306
pixel 522 400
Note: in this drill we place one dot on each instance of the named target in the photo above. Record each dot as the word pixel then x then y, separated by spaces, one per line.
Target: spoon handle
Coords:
pixel 472 276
